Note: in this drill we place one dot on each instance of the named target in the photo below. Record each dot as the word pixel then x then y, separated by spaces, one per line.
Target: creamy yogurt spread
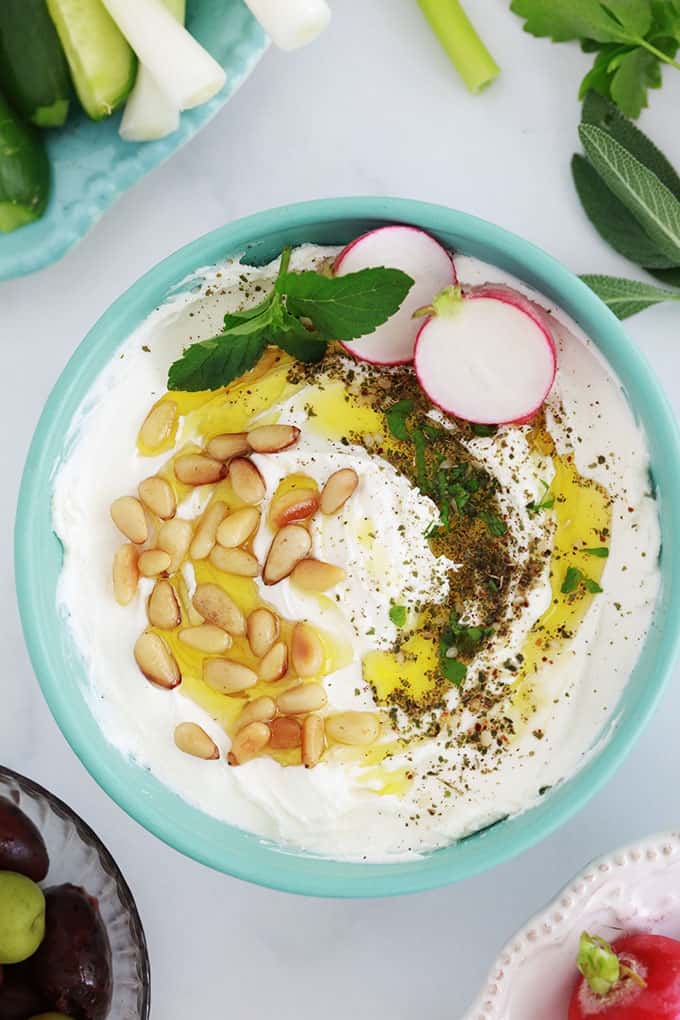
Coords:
pixel 530 694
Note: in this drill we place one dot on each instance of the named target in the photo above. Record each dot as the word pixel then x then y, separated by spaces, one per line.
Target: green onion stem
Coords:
pixel 453 28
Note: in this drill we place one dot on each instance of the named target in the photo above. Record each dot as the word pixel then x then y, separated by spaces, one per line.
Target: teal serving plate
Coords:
pixel 39 557
pixel 92 166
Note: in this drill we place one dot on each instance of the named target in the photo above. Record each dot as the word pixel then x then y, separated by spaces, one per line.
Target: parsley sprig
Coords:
pixel 631 41
pixel 301 315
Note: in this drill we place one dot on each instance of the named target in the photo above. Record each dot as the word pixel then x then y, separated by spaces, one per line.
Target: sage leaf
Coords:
pixel 654 206
pixel 628 297
pixel 599 112
pixel 612 220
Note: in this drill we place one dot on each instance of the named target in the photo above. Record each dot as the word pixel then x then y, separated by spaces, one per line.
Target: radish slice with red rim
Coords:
pixel 416 253
pixel 486 356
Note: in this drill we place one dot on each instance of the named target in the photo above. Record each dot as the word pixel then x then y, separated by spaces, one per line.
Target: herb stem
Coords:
pixel 658 53
pixel 455 32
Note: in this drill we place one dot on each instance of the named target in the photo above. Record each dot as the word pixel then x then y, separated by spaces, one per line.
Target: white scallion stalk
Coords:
pixel 291 23
pixel 179 65
pixel 149 113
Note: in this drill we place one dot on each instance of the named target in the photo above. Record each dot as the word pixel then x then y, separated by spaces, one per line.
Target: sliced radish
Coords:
pixel 486 356
pixel 428 264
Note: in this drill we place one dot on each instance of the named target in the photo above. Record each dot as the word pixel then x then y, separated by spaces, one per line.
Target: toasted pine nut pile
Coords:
pixel 159 544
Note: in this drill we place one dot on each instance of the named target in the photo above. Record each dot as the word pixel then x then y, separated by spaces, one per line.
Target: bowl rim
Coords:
pixel 88 835
pixel 245 855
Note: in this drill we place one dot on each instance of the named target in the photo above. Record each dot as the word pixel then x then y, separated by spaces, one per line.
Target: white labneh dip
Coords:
pixel 336 809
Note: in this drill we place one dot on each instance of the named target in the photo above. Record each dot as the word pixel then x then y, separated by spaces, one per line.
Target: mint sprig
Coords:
pixel 301 315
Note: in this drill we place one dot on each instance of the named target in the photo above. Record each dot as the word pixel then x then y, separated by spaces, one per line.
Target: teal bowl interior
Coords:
pixel 38 557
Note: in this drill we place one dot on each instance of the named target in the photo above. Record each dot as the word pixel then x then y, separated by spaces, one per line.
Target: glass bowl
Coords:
pixel 78 855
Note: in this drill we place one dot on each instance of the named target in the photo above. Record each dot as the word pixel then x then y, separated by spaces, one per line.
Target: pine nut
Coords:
pixel 315 575
pixel 306 650
pixel 291 506
pixel 257 710
pixel 197 469
pixel 227 676
pixel 156 661
pixel 174 538
pixel 125 574
pixel 158 496
pixel 158 425
pixel 312 740
pixel 246 480
pixel 354 728
pixel 263 630
pixel 228 445
pixel 338 489
pixel 238 527
pixel 235 561
pixel 127 513
pixel 286 733
pixel 206 532
pixel 163 608
pixel 206 637
pixel 273 438
pixel 274 664
pixel 153 562
pixel 192 739
pixel 217 607
pixel 248 743
pixel 301 699
pixel 290 545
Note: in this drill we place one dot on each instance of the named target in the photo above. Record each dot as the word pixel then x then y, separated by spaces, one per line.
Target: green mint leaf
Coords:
pixel 592 586
pixel 398 615
pixel 241 321
pixel 638 71
pixel 599 112
pixel 346 307
pixel 453 669
pixel 483 430
pixel 210 364
pixel 572 580
pixel 292 336
pixel 612 220
pixel 397 416
pixel 494 523
pixel 628 297
pixel 563 20
pixel 601 551
pixel 653 205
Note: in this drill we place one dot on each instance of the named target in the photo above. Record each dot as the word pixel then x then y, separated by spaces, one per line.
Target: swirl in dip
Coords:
pixel 493 590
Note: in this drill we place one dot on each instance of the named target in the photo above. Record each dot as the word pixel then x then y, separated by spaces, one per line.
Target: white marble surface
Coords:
pixel 372 108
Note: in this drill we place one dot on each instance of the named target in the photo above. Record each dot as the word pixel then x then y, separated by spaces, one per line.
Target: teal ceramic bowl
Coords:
pixel 38 557
pixel 92 166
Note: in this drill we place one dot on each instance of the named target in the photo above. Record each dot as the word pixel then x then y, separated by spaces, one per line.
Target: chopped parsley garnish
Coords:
pixel 398 615
pixel 484 430
pixel 397 417
pixel 465 640
pixel 546 502
pixel 601 551
pixel 574 578
pixel 494 523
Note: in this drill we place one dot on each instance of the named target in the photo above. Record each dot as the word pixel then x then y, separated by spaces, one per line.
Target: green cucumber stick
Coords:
pixel 455 32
